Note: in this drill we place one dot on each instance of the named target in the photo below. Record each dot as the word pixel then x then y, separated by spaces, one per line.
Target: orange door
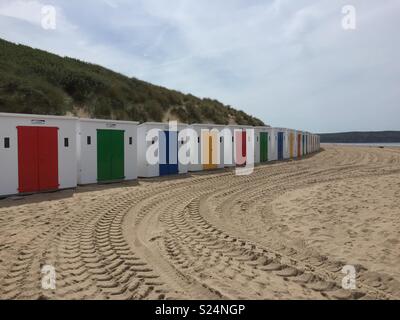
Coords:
pixel 299 145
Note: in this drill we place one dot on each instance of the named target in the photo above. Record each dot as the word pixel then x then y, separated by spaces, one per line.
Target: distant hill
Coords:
pixel 361 137
pixel 38 82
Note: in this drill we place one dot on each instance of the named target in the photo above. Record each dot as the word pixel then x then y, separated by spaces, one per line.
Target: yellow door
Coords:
pixel 209 154
pixel 291 141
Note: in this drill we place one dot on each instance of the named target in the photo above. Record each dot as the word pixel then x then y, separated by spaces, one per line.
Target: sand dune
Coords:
pixel 284 232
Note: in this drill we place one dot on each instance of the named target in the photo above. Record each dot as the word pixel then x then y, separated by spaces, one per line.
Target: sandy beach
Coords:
pixel 284 232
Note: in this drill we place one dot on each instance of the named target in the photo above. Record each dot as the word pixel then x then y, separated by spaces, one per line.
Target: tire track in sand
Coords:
pixel 222 262
pixel 187 238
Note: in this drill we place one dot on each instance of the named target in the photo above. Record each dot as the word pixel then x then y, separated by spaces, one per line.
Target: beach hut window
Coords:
pixel 130 140
pixel 7 143
pixel 198 139
pixel 89 140
pixel 220 139
pixel 66 142
pixel 232 139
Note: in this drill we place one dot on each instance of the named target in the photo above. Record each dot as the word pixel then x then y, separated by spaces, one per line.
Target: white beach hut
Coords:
pixel 282 144
pixel 209 143
pixel 106 151
pixel 37 153
pixel 312 143
pixel 243 138
pixel 273 145
pixel 162 149
pixel 292 143
pixel 299 143
pixel 304 143
pixel 262 138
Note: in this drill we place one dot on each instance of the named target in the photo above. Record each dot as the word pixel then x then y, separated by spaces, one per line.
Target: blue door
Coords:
pixel 163 140
pixel 280 145
pixel 172 143
pixel 168 153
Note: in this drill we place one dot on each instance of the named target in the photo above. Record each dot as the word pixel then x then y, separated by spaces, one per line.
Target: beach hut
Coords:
pixel 299 144
pixel 106 151
pixel 257 143
pixel 304 143
pixel 208 146
pixel 270 132
pixel 170 147
pixel 262 138
pixel 273 144
pixel 292 143
pixel 286 153
pixel 37 153
pixel 282 143
pixel 313 143
pixel 243 143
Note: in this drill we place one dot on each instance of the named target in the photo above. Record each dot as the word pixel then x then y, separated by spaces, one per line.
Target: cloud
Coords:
pixel 289 63
pixel 29 11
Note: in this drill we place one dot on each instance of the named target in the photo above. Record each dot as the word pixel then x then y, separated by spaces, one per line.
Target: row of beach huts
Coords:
pixel 45 153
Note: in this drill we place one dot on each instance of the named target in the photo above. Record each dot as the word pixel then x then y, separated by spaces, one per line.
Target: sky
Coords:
pixel 290 63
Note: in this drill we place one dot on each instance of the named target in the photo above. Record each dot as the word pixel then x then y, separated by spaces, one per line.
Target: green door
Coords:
pixel 110 155
pixel 263 146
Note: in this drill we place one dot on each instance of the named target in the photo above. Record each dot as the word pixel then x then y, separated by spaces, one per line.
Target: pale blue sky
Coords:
pixel 289 63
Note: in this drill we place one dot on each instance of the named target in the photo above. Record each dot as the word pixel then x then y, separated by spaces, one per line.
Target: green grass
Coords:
pixel 38 82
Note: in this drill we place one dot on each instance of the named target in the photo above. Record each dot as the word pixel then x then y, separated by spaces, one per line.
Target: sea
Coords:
pixel 379 144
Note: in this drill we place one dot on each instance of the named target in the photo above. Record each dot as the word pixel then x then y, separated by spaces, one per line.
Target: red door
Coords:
pixel 244 144
pixel 240 146
pixel 48 158
pixel 27 159
pixel 37 159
